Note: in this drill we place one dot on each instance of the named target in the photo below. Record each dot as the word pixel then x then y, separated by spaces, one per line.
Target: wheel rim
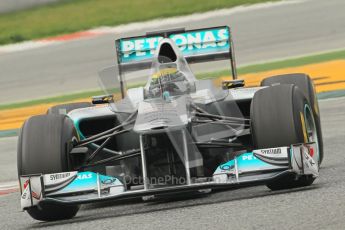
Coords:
pixel 310 128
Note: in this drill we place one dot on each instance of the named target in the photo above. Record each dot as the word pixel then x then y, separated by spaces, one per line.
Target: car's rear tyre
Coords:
pixel 305 84
pixel 66 108
pixel 278 119
pixel 43 148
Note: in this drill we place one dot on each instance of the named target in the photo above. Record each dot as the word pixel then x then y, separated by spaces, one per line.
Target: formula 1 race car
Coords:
pixel 174 135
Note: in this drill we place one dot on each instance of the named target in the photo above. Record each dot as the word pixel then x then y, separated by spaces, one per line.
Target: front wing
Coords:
pixel 248 168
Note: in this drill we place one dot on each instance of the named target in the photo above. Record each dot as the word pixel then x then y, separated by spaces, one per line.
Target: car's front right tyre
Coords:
pixel 43 149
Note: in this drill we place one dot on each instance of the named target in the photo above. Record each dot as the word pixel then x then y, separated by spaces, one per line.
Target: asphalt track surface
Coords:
pixel 276 32
pixel 320 206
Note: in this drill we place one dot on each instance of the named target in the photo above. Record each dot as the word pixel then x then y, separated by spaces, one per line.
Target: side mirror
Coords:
pixel 103 99
pixel 232 84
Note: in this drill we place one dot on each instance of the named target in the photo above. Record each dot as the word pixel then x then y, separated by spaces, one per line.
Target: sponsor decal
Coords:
pixel 31 191
pixel 271 151
pixel 302 162
pixel 87 181
pixel 273 156
pixel 108 181
pixel 24 195
pixel 310 167
pixel 84 176
pixel 248 157
pixel 57 180
pixel 26 183
pixel 246 162
pixel 311 151
pixel 309 161
pixel 59 176
pixel 25 199
pixel 226 167
pixel 190 43
pixel 36 196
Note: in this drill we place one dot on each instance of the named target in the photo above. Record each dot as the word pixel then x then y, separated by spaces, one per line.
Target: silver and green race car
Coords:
pixel 173 135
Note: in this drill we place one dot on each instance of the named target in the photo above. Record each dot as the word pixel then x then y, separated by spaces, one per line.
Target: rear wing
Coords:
pixel 200 45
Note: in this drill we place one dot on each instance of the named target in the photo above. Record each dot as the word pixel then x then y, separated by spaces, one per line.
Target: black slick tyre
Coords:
pixel 43 148
pixel 305 84
pixel 278 119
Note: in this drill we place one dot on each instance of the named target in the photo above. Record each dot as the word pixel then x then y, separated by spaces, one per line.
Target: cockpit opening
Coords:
pixel 166 53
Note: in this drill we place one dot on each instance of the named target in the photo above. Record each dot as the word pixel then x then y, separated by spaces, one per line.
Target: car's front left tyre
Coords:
pixel 281 116
pixel 306 85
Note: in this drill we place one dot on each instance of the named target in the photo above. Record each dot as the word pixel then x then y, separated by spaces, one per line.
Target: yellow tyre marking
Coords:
pixel 305 137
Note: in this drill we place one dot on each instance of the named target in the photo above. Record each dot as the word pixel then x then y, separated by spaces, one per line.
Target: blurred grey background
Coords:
pixel 13 5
